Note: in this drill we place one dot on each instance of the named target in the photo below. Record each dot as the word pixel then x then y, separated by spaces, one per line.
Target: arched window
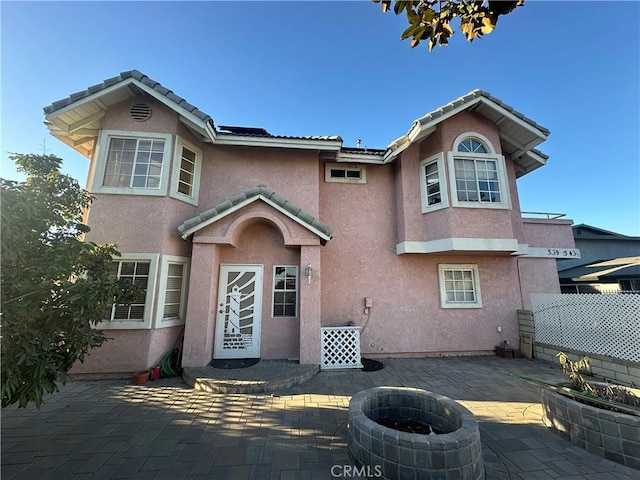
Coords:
pixel 478 178
pixel 472 145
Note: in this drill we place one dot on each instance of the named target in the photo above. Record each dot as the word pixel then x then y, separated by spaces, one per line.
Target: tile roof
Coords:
pixel 137 75
pixel 264 134
pixel 364 151
pixel 429 117
pixel 259 191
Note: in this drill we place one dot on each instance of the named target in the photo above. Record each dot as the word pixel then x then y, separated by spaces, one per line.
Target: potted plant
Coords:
pixel 141 377
pixel 505 351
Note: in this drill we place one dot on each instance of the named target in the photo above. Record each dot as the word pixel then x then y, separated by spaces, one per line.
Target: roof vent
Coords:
pixel 140 112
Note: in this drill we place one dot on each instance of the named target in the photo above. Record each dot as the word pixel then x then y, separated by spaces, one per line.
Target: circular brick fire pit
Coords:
pixel 456 453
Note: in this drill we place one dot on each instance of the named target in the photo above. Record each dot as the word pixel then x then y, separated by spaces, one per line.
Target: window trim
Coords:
pixel 453 155
pixel 160 321
pixel 175 171
pixel 438 159
pixel 346 167
pixel 102 153
pixel 153 259
pixel 273 291
pixel 442 267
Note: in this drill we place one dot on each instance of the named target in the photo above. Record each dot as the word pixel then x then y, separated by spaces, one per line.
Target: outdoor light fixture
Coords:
pixel 308 271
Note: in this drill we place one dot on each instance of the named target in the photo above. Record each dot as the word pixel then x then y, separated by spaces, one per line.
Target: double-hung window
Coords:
pixel 459 286
pixel 285 291
pixel 432 184
pixel 131 162
pixel 478 177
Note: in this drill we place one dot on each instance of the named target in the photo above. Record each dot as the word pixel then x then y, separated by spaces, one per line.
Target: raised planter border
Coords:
pixel 611 435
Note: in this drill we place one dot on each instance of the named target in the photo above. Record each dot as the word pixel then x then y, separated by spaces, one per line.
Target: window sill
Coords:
pixel 161 192
pixel 460 305
pixel 116 325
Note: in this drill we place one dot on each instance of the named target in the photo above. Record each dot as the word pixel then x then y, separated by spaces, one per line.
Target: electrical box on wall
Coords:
pixel 367 302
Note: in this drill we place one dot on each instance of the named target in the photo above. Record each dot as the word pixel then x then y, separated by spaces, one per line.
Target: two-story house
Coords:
pixel 247 243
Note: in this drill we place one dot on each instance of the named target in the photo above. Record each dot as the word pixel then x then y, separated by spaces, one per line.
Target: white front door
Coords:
pixel 239 312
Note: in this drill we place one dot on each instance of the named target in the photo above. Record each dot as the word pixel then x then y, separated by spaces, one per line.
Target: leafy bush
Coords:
pixel 55 287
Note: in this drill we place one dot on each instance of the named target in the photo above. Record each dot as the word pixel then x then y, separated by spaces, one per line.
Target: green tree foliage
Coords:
pixel 54 286
pixel 431 19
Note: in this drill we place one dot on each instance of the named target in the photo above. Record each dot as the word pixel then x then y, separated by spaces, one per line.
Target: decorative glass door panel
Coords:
pixel 239 312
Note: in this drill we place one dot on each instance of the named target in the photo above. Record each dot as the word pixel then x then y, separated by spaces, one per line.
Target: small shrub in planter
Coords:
pixel 599 417
pixel 597 390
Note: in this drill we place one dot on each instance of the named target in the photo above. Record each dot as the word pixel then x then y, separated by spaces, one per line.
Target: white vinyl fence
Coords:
pixel 597 324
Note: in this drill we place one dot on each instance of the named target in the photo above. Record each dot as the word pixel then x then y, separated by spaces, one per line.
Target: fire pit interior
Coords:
pixel 452 450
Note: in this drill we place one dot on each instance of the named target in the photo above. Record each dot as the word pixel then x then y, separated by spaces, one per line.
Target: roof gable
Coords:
pixel 262 193
pixel 77 119
pixel 519 134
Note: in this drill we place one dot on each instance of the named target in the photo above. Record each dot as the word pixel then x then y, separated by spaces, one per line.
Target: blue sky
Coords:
pixel 339 68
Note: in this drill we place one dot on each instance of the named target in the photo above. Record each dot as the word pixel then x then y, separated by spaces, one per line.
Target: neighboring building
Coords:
pixel 610 262
pixel 251 242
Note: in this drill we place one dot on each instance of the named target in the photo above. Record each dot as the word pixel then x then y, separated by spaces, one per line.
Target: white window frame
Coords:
pixel 476 285
pixel 273 291
pixel 102 154
pixel 505 196
pixel 152 258
pixel 444 194
pixel 347 167
pixel 160 321
pixel 175 172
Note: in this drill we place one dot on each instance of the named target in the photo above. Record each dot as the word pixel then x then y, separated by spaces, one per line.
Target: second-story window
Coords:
pixel 131 163
pixel 478 176
pixel 187 172
pixel 185 176
pixel 344 173
pixel 432 184
pixel 134 163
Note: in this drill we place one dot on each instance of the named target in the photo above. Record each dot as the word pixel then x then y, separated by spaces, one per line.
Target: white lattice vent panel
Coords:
pixel 593 323
pixel 340 347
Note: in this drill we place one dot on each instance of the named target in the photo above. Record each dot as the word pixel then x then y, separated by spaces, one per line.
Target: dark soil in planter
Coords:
pixel 409 426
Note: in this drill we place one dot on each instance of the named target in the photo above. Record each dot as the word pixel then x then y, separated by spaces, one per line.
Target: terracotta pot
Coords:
pixel 141 377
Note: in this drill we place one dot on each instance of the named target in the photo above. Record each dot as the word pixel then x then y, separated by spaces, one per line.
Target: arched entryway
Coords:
pixel 258 295
pixel 248 281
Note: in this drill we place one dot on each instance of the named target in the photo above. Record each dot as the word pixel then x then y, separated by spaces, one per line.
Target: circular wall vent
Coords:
pixel 140 112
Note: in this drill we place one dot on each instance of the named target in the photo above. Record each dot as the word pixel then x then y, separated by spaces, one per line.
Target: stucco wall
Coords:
pixel 548 233
pixel 128 351
pixel 406 317
pixel 292 174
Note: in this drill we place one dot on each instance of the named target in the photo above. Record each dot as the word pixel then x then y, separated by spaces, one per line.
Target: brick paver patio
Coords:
pixel 166 430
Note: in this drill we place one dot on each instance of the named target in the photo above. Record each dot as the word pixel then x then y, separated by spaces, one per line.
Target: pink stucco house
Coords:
pixel 248 243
